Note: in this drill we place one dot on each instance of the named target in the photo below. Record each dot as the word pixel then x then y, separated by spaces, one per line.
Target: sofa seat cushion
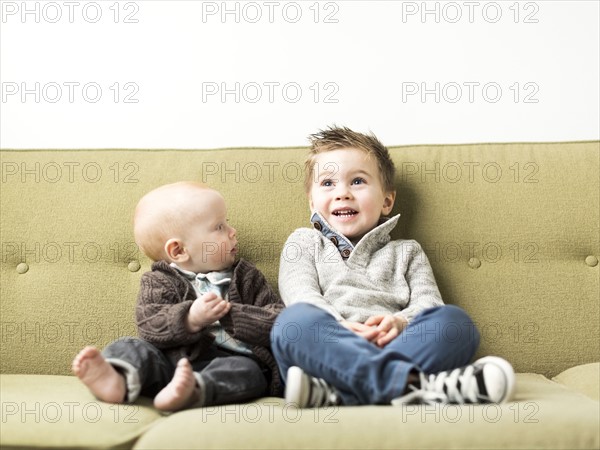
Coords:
pixel 53 411
pixel 584 378
pixel 544 415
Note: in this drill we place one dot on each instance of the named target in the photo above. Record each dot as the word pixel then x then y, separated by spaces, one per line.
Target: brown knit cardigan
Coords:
pixel 165 298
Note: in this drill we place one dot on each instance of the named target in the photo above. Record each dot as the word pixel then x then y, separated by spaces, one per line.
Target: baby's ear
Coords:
pixel 175 250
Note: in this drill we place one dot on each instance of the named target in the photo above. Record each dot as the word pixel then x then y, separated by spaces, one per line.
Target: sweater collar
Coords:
pixel 214 278
pixel 380 233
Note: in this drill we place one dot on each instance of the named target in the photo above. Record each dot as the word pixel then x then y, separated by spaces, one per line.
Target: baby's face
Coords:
pixel 209 240
pixel 347 191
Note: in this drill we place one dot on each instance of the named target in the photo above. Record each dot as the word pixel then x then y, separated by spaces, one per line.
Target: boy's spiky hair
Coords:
pixel 336 138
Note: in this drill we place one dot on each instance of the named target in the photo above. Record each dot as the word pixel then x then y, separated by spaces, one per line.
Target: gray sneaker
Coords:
pixel 487 380
pixel 304 391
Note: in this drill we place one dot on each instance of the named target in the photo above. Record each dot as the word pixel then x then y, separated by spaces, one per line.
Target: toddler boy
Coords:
pixel 203 318
pixel 365 316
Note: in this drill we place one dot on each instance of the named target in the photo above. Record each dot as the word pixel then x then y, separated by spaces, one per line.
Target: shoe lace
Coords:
pixel 322 394
pixel 457 386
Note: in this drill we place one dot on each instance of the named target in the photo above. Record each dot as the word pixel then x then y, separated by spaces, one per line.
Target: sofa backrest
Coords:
pixel 511 230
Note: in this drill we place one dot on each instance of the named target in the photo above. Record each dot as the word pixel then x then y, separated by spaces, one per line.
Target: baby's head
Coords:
pixel 185 223
pixel 349 180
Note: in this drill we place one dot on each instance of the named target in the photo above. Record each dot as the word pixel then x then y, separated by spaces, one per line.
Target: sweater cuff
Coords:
pixel 401 314
pixel 250 324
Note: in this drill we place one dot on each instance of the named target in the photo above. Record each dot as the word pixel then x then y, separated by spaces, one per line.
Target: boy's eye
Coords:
pixel 358 180
pixel 327 183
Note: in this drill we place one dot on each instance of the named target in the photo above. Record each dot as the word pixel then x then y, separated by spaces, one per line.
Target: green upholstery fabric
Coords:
pixel 544 415
pixel 585 379
pixel 511 230
pixel 58 412
pixel 53 411
pixel 528 213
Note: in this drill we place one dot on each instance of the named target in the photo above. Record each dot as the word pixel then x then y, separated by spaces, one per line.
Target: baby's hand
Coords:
pixel 206 310
pixel 388 328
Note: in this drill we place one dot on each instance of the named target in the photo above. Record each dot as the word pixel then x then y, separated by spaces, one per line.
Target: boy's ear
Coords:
pixel 175 250
pixel 388 202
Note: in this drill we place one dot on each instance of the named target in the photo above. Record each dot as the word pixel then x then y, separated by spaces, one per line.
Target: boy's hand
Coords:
pixel 388 328
pixel 206 310
pixel 370 333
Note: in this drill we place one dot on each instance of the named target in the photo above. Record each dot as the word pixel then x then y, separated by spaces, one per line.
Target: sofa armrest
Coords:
pixel 584 378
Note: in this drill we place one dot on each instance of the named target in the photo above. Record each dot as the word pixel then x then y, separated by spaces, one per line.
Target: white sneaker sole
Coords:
pixel 507 370
pixel 294 387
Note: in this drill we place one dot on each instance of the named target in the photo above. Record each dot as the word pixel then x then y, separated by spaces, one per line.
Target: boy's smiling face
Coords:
pixel 347 191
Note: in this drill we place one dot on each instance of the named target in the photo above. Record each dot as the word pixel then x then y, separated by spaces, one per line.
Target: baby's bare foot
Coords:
pixel 181 392
pixel 99 376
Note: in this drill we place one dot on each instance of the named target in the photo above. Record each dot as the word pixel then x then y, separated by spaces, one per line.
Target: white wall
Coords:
pixel 365 60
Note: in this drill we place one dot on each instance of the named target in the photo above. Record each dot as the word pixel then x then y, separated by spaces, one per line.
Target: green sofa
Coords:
pixel 511 230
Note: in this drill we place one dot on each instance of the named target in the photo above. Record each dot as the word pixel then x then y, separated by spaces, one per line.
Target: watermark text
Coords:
pixel 70 12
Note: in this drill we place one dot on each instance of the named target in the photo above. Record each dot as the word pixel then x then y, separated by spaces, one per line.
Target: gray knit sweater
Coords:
pixel 380 276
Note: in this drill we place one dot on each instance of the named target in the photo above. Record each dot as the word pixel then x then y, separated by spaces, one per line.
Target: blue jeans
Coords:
pixel 307 336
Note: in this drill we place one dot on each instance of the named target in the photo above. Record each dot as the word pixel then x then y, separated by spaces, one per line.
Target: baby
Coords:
pixel 203 318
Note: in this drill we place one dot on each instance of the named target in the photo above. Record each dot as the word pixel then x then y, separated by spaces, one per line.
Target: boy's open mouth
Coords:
pixel 344 212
